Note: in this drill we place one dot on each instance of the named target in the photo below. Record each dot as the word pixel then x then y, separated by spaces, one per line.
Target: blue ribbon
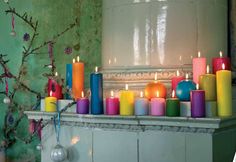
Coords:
pixel 57 125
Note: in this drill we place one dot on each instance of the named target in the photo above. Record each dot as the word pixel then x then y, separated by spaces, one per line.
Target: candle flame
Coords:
pixel 158 94
pixel 126 86
pixel 155 76
pixel 186 76
pixel 177 72
pixel 75 140
pixel 115 60
pixel 112 94
pixel 197 86
pixel 82 94
pixel 50 94
pixel 73 60
pixel 96 69
pixel 77 58
pixel 173 94
pixel 199 54
pixel 109 61
pixel 221 53
pixel 141 94
pixel 208 69
pixel 56 74
pixel 223 66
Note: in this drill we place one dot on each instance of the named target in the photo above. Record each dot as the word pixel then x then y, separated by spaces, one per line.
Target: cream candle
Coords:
pixel 199 67
pixel 126 101
pixel 157 106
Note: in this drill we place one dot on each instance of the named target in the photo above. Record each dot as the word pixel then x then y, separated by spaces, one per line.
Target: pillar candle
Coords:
pixel 68 79
pixel 96 87
pixel 112 105
pixel 211 109
pixel 175 80
pixel 157 106
pixel 218 61
pixel 207 82
pixel 141 105
pixel 172 106
pixel 55 88
pixel 77 78
pixel 224 92
pixel 183 89
pixel 185 108
pixel 50 103
pixel 198 103
pixel 199 67
pixel 82 105
pixel 126 102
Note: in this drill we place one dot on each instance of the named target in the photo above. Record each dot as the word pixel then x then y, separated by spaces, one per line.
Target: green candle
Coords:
pixel 172 106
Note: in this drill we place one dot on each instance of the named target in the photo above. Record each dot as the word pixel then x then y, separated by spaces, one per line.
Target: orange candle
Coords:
pixel 77 78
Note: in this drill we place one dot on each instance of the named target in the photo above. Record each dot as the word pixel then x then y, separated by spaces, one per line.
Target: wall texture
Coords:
pixel 53 17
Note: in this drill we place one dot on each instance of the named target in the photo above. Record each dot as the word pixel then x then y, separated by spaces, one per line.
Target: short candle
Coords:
pixel 157 106
pixel 126 101
pixel 218 61
pixel 141 105
pixel 175 80
pixel 198 103
pixel 82 106
pixel 112 105
pixel 172 106
pixel 50 103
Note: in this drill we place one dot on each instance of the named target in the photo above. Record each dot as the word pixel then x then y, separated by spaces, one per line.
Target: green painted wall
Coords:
pixel 53 17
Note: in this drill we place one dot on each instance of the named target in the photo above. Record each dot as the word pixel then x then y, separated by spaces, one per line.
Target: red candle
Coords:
pixel 112 105
pixel 55 88
pixel 175 80
pixel 218 61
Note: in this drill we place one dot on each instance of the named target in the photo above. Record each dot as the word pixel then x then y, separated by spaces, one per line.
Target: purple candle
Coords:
pixel 157 106
pixel 112 105
pixel 198 103
pixel 82 105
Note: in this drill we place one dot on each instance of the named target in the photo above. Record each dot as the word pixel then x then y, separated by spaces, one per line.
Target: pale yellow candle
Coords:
pixel 50 103
pixel 126 102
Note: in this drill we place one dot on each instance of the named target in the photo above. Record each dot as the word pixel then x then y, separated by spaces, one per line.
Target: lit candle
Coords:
pixel 152 87
pixel 68 78
pixel 141 105
pixel 199 67
pixel 183 89
pixel 82 106
pixel 77 78
pixel 126 101
pixel 54 88
pixel 207 82
pixel 112 105
pixel 96 85
pixel 172 106
pixel 50 103
pixel 198 103
pixel 157 106
pixel 224 92
pixel 218 61
pixel 175 80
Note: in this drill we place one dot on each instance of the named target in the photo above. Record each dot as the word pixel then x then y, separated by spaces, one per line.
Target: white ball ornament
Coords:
pixel 7 100
pixel 13 33
pixel 39 147
pixel 6 1
pixel 58 153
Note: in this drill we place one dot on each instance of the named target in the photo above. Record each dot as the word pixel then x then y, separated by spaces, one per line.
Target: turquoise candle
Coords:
pixel 96 87
pixel 141 105
pixel 68 79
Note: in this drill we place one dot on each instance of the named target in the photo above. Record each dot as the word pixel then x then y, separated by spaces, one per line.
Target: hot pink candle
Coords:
pixel 157 106
pixel 175 80
pixel 112 105
pixel 55 88
pixel 199 67
pixel 218 61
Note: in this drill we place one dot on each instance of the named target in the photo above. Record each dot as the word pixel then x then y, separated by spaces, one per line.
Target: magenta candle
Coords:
pixel 55 88
pixel 112 105
pixel 175 80
pixel 198 103
pixel 82 106
pixel 199 67
pixel 218 61
pixel 157 106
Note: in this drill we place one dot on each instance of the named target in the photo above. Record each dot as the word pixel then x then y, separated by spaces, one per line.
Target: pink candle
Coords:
pixel 175 80
pixel 55 88
pixel 199 67
pixel 112 105
pixel 218 61
pixel 157 106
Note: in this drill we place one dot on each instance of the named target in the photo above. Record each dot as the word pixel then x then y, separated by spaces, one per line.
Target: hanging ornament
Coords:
pixel 68 50
pixel 6 100
pixel 39 147
pixel 13 33
pixel 26 37
pixel 10 119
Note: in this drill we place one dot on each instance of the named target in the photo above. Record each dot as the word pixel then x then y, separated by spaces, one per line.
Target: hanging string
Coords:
pixel 13 22
pixel 57 125
pixel 7 89
pixel 50 51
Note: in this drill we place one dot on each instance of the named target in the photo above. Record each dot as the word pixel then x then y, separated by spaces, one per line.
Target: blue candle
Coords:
pixel 141 105
pixel 96 93
pixel 68 79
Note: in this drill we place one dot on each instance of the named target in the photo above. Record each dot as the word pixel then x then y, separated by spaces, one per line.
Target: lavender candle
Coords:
pixel 157 106
pixel 82 105
pixel 141 105
pixel 198 103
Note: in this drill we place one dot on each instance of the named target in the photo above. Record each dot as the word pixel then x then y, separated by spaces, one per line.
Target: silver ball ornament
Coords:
pixel 39 147
pixel 13 33
pixel 7 100
pixel 58 153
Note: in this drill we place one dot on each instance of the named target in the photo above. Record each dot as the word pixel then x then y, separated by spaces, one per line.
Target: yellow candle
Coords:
pixel 126 102
pixel 207 82
pixel 50 103
pixel 224 92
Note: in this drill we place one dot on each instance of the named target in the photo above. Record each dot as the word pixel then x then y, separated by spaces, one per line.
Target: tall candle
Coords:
pixel 157 106
pixel 126 101
pixel 224 92
pixel 82 106
pixel 198 103
pixel 96 85
pixel 175 80
pixel 55 88
pixel 218 61
pixel 77 78
pixel 207 82
pixel 50 103
pixel 68 78
pixel 199 67
pixel 172 106
pixel 141 105
pixel 112 105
